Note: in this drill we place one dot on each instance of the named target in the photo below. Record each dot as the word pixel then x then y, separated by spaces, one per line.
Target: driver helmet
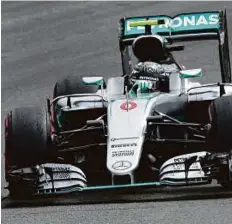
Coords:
pixel 149 48
pixel 148 76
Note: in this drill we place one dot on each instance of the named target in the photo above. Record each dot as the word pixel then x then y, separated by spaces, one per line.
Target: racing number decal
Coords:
pixel 131 105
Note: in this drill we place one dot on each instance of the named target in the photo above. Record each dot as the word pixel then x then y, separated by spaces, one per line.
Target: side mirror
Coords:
pixel 115 86
pixel 191 73
pixel 97 81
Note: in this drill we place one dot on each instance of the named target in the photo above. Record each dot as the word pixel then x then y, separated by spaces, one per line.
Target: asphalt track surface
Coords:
pixel 44 41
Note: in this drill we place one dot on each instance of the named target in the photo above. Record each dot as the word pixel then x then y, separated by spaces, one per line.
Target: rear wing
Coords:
pixel 182 27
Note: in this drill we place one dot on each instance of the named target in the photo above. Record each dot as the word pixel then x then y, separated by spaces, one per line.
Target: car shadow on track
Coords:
pixel 122 196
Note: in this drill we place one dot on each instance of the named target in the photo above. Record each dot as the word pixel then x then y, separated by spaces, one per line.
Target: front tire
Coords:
pixel 221 123
pixel 220 135
pixel 26 141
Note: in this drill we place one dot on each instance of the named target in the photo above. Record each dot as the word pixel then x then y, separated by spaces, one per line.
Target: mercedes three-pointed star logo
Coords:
pixel 122 165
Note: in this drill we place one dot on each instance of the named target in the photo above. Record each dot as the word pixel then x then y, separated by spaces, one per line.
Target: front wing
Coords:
pixel 55 179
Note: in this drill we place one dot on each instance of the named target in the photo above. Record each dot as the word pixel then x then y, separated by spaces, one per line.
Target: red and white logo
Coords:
pixel 128 105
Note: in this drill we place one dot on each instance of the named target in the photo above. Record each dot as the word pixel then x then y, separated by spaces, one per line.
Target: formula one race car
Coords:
pixel 98 135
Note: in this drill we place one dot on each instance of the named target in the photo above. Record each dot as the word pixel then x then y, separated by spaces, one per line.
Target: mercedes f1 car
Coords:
pixel 98 135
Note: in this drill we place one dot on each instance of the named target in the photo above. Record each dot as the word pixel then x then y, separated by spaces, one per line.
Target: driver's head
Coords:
pixel 149 48
pixel 151 75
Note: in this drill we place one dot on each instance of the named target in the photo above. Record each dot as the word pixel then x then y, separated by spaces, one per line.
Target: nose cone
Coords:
pixel 126 124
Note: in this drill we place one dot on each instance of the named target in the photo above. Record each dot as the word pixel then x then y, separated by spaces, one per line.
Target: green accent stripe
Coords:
pixel 186 75
pixel 99 82
pixel 123 186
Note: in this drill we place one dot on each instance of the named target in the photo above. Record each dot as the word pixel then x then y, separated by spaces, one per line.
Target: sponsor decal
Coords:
pixel 128 105
pixel 194 20
pixel 178 167
pixel 179 164
pixel 148 78
pixel 123 153
pixel 123 145
pixel 58 169
pixel 179 160
pixel 179 23
pixel 122 165
pixel 125 138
